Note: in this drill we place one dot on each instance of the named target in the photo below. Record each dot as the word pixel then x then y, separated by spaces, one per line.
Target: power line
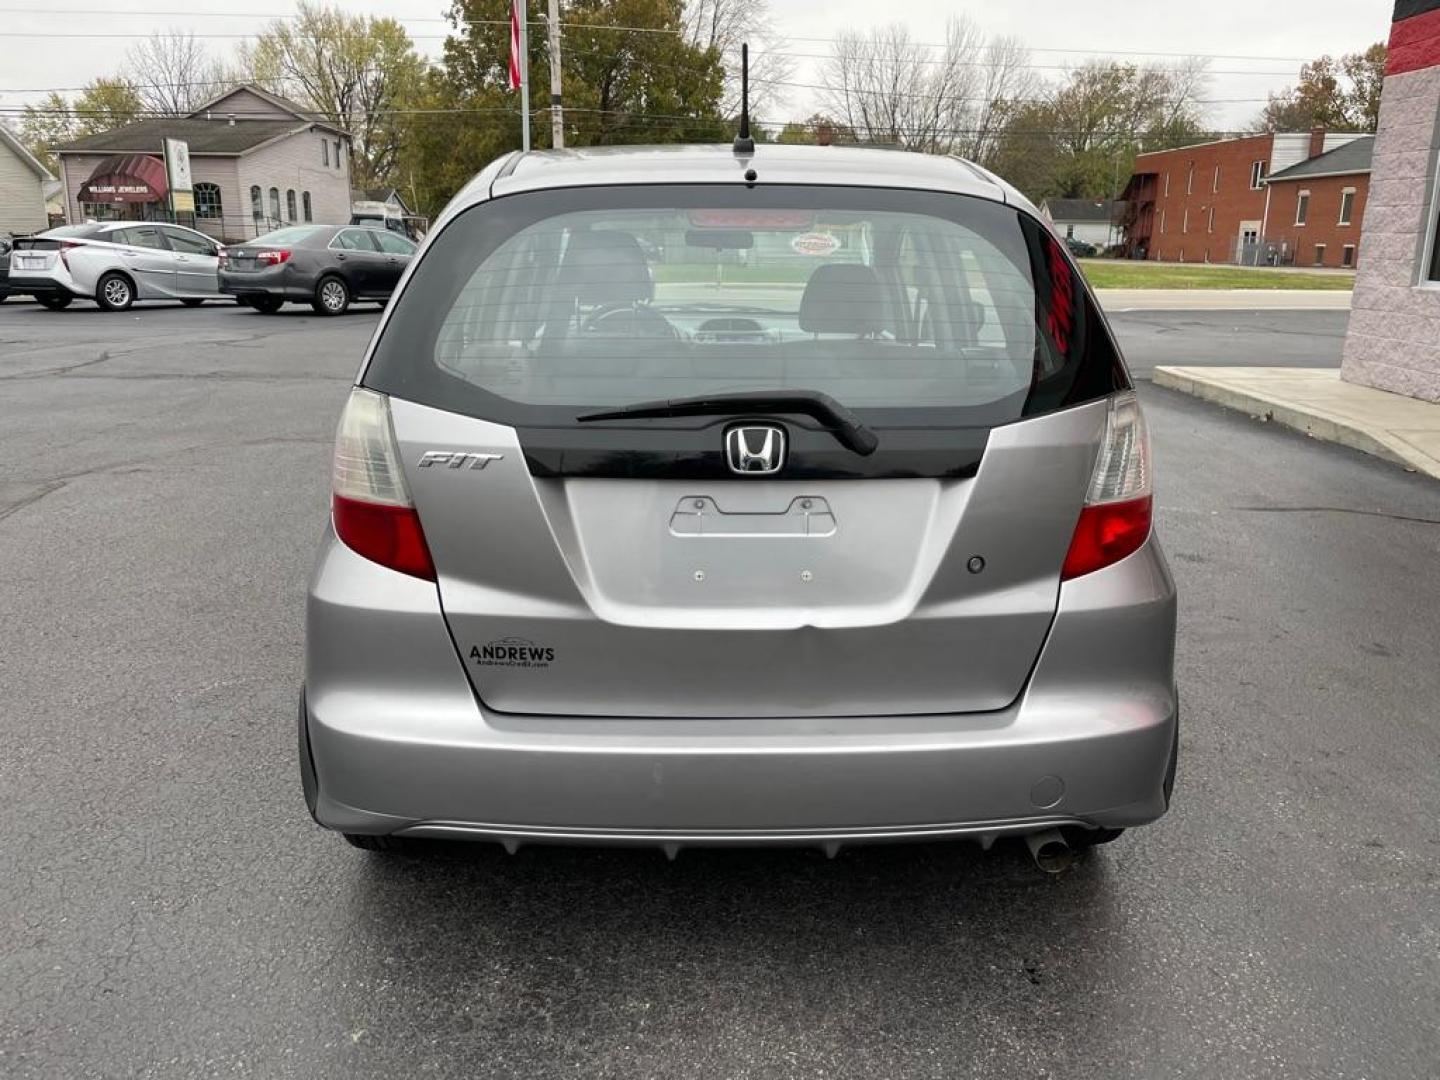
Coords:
pixel 291 16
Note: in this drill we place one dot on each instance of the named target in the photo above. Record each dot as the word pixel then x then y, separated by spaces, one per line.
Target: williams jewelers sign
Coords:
pixel 126 178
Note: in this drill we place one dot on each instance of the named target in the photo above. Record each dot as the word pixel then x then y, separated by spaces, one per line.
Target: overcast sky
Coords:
pixel 38 51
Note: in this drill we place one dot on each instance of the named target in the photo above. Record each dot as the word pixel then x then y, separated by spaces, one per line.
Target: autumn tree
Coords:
pixel 818 129
pixel 102 105
pixel 1339 95
pixel 359 72
pixel 1079 139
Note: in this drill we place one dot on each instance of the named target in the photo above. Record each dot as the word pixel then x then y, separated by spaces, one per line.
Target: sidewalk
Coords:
pixel 1224 299
pixel 1314 400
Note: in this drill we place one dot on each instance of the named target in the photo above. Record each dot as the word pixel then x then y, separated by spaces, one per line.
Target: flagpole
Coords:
pixel 524 73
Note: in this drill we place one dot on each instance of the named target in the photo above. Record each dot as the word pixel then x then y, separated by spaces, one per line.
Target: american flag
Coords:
pixel 515 44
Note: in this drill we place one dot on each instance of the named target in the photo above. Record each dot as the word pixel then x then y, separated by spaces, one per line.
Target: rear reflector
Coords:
pixel 370 506
pixel 1115 520
pixel 388 535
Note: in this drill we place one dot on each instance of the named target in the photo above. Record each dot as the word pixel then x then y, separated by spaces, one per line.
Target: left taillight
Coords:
pixel 67 246
pixel 370 506
pixel 274 257
pixel 1115 520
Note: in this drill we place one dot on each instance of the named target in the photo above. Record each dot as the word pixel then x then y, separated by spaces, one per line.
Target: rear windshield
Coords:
pixel 72 230
pixel 908 307
pixel 294 234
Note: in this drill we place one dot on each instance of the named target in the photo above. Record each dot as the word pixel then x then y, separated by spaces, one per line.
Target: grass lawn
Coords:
pixel 1118 274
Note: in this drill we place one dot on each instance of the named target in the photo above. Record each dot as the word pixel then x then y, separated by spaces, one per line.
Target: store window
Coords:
pixel 207 201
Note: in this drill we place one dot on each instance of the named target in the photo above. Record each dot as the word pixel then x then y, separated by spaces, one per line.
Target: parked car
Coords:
pixel 116 263
pixel 325 266
pixel 1081 249
pixel 5 243
pixel 853 547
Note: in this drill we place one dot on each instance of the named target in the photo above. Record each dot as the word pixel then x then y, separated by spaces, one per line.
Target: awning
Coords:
pixel 126 178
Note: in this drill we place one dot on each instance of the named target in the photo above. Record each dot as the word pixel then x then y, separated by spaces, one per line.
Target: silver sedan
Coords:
pixel 116 263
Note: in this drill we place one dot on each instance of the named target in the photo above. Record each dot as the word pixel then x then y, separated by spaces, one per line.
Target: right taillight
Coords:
pixel 370 505
pixel 1115 519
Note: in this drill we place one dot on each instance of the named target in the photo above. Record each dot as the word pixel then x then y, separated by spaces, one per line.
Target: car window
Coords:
pixel 394 245
pixel 146 236
pixel 923 307
pixel 188 243
pixel 353 240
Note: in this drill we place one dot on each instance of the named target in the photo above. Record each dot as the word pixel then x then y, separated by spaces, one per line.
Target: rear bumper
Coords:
pixel 280 282
pixel 394 740
pixel 40 285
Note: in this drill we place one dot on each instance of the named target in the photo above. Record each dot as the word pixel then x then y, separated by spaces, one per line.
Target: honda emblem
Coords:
pixel 755 450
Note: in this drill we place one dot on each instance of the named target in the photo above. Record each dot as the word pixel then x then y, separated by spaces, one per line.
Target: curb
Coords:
pixel 1312 421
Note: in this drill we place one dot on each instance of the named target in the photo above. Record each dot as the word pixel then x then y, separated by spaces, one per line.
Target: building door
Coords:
pixel 1247 250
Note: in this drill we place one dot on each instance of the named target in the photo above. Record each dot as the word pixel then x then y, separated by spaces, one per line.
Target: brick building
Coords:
pixel 1393 341
pixel 1211 202
pixel 1316 207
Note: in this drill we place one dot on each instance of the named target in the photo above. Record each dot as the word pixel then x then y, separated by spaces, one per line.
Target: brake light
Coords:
pixel 1116 518
pixel 370 506
pixel 66 246
pixel 274 258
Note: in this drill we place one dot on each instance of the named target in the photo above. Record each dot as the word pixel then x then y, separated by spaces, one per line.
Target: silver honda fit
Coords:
pixel 683 498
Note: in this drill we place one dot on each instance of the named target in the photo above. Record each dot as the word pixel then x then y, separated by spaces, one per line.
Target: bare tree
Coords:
pixel 724 25
pixel 1007 82
pixel 173 73
pixel 892 89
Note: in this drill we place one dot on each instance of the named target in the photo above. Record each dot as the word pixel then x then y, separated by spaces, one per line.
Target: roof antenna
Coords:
pixel 744 144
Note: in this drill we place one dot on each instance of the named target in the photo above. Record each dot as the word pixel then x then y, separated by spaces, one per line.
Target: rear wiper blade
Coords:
pixel 843 424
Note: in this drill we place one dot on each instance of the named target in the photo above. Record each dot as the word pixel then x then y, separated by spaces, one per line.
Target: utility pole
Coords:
pixel 557 113
pixel 524 73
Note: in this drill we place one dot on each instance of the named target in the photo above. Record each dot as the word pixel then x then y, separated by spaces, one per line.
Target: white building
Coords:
pixel 22 183
pixel 1093 221
pixel 258 161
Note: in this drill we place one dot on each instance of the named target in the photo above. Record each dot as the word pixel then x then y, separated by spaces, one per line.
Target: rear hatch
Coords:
pixel 632 514
pixel 33 254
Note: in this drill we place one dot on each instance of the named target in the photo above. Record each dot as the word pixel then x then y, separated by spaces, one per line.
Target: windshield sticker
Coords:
pixel 513 652
pixel 815 243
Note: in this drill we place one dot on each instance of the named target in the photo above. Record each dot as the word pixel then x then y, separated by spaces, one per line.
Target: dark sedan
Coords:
pixel 325 266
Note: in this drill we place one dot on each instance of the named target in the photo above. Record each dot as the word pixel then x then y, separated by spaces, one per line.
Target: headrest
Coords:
pixel 842 298
pixel 605 266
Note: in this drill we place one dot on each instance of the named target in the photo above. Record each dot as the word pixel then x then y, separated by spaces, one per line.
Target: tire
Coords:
pixel 266 305
pixel 332 296
pixel 57 302
pixel 386 844
pixel 192 302
pixel 114 292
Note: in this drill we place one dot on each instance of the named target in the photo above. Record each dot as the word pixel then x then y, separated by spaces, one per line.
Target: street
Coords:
pixel 170 910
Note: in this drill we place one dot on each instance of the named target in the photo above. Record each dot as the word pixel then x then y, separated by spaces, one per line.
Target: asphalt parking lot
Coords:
pixel 169 910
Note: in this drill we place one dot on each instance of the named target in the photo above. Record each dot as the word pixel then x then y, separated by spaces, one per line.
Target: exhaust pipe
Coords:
pixel 1050 851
